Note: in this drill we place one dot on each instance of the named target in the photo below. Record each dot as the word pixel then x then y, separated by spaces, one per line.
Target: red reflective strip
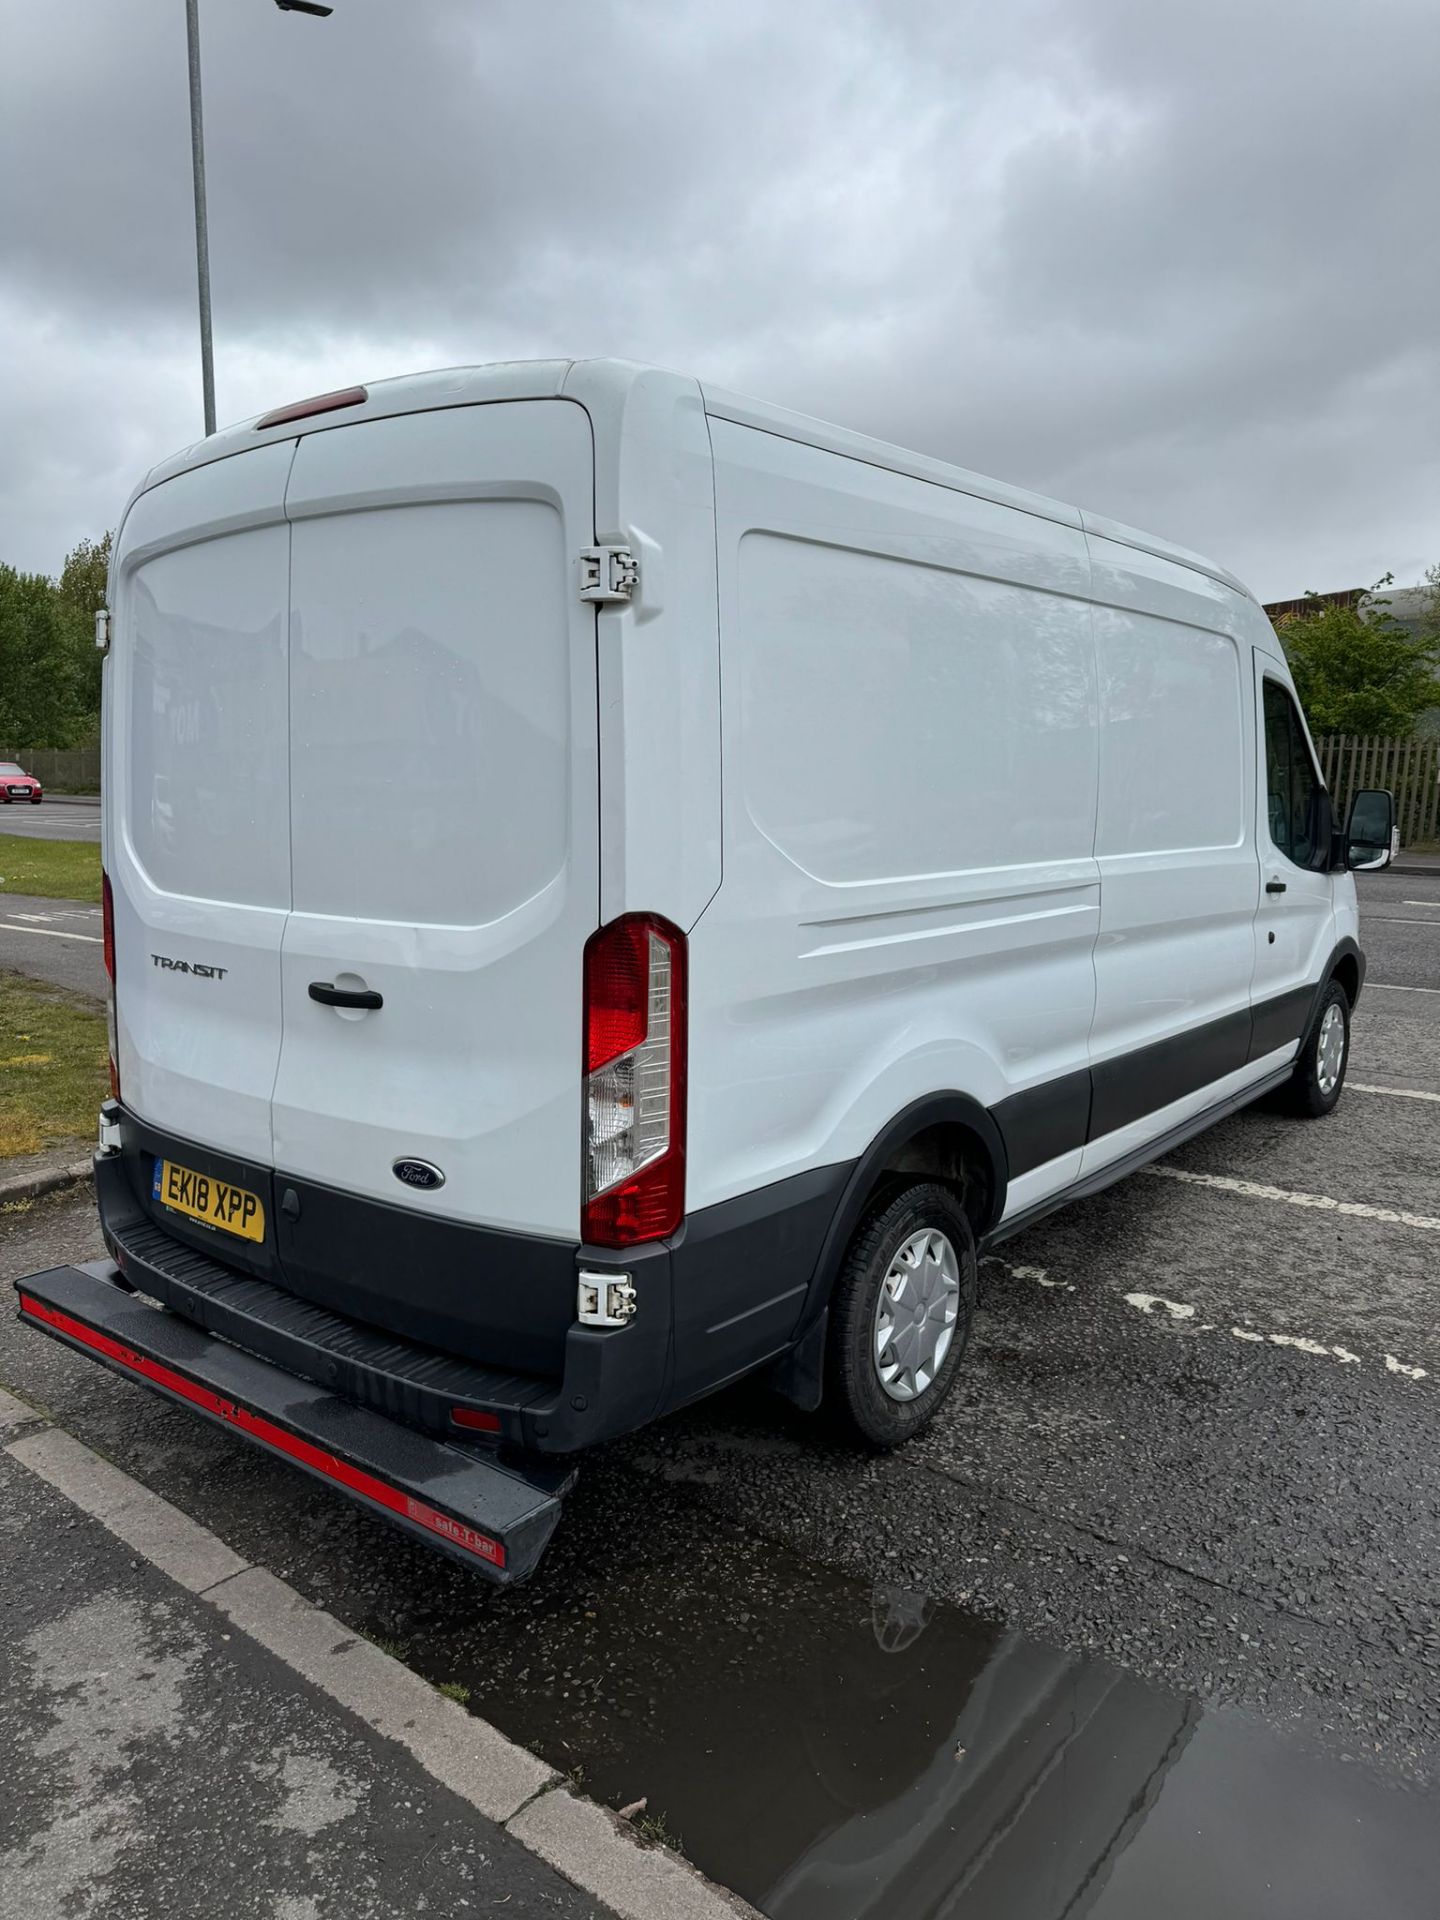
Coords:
pixel 265 1431
pixel 473 1417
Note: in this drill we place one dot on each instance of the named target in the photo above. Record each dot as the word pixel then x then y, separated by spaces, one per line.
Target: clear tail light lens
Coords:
pixel 107 917
pixel 634 1171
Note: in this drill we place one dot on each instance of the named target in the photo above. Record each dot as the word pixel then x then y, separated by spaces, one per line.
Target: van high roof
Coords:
pixel 608 389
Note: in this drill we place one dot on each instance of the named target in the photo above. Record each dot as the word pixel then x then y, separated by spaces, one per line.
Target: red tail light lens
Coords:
pixel 107 928
pixel 617 989
pixel 635 1049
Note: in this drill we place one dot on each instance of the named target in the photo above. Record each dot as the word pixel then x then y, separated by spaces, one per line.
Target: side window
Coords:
pixel 1292 788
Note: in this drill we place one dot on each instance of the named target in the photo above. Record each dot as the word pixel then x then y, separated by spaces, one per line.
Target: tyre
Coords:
pixel 1319 1076
pixel 900 1315
pixel 35 799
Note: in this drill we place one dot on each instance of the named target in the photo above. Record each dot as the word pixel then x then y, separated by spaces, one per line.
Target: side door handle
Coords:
pixel 1271 886
pixel 332 996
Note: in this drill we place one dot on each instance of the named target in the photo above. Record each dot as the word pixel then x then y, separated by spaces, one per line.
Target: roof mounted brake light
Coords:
pixel 322 403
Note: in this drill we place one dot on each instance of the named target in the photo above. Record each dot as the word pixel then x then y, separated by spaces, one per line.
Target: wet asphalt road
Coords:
pixel 53 819
pixel 1192 1461
pixel 59 941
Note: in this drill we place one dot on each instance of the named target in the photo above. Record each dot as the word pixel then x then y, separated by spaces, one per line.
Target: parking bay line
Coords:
pixel 1388 986
pixel 1181 1313
pixel 1396 1093
pixel 51 933
pixel 1321 1202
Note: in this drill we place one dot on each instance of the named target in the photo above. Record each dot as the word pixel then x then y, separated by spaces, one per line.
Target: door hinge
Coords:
pixel 608 573
pixel 605 1299
pixel 102 628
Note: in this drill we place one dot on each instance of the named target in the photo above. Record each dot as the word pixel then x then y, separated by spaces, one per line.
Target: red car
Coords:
pixel 16 784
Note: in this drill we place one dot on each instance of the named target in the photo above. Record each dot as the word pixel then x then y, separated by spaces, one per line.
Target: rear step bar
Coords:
pixel 493 1515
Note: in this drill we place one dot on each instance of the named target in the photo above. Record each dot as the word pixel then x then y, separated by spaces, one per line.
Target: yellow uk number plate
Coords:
pixel 200 1196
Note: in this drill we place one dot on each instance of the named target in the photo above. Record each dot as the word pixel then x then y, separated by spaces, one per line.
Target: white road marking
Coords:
pixel 1422 903
pixel 1147 1303
pixel 1392 1365
pixel 1040 1275
pixel 51 933
pixel 1321 1202
pixel 62 913
pixel 1396 1093
pixel 1385 986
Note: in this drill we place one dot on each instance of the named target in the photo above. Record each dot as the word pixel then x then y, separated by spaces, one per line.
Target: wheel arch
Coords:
pixel 1347 965
pixel 940 1135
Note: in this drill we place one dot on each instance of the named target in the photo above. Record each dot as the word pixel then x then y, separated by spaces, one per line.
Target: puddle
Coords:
pixel 832 1750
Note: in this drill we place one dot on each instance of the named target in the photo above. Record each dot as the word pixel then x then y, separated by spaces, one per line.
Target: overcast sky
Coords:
pixel 1174 260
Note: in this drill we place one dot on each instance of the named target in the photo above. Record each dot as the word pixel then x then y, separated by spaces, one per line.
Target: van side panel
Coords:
pixel 910 898
pixel 197 832
pixel 1174 842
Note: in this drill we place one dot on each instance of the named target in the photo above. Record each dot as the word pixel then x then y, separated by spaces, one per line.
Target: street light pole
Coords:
pixel 197 165
pixel 202 232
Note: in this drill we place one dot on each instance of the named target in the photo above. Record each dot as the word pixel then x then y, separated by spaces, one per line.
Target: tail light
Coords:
pixel 634 1170
pixel 107 915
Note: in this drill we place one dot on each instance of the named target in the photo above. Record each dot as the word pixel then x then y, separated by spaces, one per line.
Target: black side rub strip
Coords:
pixel 1061 1115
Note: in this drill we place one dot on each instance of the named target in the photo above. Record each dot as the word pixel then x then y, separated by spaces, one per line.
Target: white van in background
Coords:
pixel 611 886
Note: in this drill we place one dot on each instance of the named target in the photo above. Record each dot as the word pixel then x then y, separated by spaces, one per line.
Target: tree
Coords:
pixel 82 578
pixel 49 666
pixel 35 675
pixel 81 591
pixel 1430 618
pixel 1360 671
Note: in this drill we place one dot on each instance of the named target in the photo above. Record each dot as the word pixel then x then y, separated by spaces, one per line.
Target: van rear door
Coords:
pixel 197 780
pixel 443 812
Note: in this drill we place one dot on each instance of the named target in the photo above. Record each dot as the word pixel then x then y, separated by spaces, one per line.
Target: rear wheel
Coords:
pixel 1319 1077
pixel 901 1314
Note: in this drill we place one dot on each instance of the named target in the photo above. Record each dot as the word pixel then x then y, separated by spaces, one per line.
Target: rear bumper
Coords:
pixel 494 1516
pixel 413 1317
pixel 608 1382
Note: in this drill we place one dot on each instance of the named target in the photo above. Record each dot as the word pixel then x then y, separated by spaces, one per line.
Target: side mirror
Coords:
pixel 1369 831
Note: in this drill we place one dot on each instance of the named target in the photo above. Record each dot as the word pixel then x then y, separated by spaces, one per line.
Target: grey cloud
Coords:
pixel 1177 262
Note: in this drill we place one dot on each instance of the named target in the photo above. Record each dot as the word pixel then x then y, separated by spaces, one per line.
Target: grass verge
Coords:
pixel 51 869
pixel 54 1069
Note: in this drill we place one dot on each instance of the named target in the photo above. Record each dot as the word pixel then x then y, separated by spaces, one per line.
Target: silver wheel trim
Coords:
pixel 1330 1049
pixel 915 1314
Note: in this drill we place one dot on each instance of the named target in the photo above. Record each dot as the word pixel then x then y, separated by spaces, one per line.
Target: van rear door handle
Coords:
pixel 1271 886
pixel 331 996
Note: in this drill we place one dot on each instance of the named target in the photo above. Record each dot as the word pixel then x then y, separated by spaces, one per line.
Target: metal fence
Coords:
pixel 68 769
pixel 1410 768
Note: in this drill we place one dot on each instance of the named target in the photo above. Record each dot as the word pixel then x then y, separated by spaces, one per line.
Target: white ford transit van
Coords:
pixel 611 886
